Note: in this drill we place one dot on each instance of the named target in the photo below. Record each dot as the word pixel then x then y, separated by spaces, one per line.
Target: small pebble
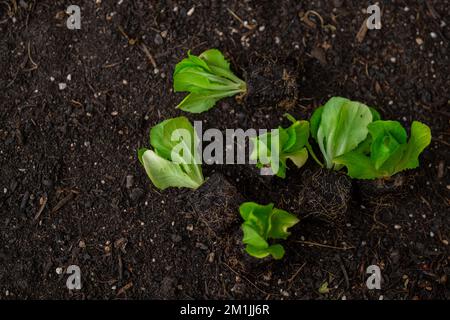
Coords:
pixel 158 39
pixel 129 181
pixel 441 169
pixel 190 227
pixel 433 35
pixel 62 86
pixel 59 270
pixel 397 227
pixel 191 11
pixel 419 41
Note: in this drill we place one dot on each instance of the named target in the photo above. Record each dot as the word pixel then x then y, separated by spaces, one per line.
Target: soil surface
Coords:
pixel 77 104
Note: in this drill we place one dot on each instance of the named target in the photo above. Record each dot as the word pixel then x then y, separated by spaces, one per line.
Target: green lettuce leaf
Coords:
pixel 276 147
pixel 264 222
pixel 164 173
pixel 339 127
pixel 390 153
pixel 207 78
pixel 174 160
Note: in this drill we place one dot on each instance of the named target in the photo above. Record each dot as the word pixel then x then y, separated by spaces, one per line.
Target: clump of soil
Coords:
pixel 367 190
pixel 272 83
pixel 216 204
pixel 201 243
pixel 325 195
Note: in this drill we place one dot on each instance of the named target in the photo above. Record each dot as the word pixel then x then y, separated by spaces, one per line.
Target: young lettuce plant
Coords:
pixel 389 151
pixel 274 148
pixel 340 126
pixel 173 162
pixel 262 223
pixel 208 78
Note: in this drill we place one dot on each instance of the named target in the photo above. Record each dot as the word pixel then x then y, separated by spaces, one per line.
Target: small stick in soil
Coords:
pixel 246 279
pixel 119 260
pixel 124 288
pixel 64 201
pixel 111 65
pixel 35 66
pixel 43 202
pixel 131 41
pixel 362 32
pixel 149 55
pixel 426 202
pixel 324 245
pixel 441 141
pixel 244 24
pixel 305 18
pixel 344 272
pixel 291 279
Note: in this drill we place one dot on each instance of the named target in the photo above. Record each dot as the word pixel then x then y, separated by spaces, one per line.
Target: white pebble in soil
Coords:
pixel 191 11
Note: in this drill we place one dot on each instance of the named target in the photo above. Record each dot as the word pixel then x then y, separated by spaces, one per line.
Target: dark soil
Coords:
pixel 73 192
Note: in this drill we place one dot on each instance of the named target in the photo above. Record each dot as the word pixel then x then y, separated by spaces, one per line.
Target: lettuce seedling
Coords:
pixel 276 147
pixel 389 151
pixel 173 162
pixel 208 78
pixel 262 223
pixel 340 126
